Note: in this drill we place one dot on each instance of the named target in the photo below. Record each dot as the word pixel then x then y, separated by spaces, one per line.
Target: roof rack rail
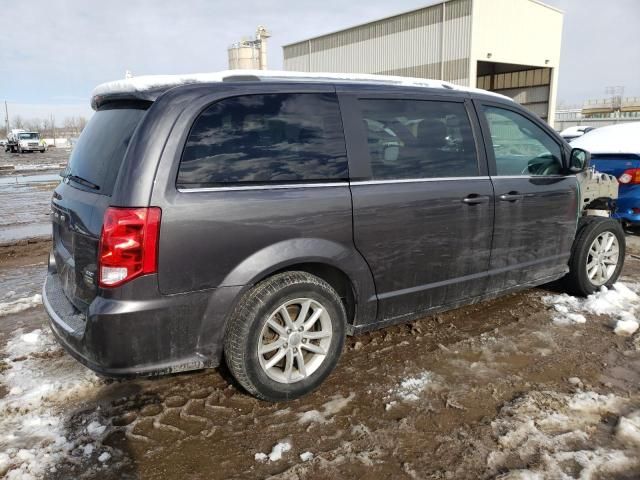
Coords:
pixel 159 82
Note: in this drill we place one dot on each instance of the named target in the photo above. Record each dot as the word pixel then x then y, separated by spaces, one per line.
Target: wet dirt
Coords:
pixel 26 185
pixel 479 392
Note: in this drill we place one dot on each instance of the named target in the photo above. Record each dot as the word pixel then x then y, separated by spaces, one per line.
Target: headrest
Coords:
pixel 432 133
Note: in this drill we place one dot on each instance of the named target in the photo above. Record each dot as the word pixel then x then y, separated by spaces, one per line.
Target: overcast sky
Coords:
pixel 52 58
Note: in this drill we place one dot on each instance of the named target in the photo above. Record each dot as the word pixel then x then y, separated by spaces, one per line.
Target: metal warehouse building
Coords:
pixel 508 46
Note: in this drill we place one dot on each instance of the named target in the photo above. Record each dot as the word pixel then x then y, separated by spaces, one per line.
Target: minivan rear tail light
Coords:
pixel 128 244
pixel 630 176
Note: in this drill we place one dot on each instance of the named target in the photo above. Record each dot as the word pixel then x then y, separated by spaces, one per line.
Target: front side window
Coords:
pixel 520 146
pixel 265 139
pixel 413 139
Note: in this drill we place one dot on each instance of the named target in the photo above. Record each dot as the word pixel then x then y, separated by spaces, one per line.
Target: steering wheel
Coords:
pixel 541 166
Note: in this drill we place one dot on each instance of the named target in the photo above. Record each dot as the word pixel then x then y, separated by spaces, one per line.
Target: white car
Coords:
pixel 571 133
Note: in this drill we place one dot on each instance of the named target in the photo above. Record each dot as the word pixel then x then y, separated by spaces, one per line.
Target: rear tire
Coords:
pixel 597 256
pixel 277 358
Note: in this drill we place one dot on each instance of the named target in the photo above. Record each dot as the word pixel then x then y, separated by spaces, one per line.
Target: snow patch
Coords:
pixel 329 409
pixel 16 306
pixel 620 302
pixel 569 319
pixel 277 451
pixel 410 389
pixel 626 328
pixel 104 456
pixel 628 429
pixel 41 382
pixel 553 435
pixel 95 429
pixel 261 457
pixel 306 456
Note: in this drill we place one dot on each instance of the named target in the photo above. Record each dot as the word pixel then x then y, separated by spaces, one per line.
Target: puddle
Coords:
pixel 26 179
pixel 21 232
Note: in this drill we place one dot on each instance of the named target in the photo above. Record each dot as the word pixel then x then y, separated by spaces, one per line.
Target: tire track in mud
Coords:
pixel 415 401
pixel 199 413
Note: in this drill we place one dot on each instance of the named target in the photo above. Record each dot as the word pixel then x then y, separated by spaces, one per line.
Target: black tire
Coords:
pixel 577 280
pixel 244 330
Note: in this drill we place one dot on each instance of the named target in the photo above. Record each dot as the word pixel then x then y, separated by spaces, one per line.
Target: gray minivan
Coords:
pixel 262 219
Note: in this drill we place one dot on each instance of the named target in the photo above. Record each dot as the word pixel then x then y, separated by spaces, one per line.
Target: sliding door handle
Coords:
pixel 475 199
pixel 511 197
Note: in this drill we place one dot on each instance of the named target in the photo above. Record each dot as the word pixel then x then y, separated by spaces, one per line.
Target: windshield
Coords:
pixel 98 154
pixel 29 136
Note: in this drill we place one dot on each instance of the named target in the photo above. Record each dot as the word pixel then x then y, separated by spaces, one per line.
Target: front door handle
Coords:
pixel 511 197
pixel 475 199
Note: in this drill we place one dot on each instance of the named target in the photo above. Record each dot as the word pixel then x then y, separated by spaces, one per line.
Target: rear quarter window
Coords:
pixel 265 139
pixel 413 139
pixel 97 156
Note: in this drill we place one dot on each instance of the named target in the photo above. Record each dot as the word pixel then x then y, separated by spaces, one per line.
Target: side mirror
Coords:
pixel 579 160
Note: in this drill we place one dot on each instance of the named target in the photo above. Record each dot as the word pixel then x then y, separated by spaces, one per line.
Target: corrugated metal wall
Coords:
pixel 529 88
pixel 414 44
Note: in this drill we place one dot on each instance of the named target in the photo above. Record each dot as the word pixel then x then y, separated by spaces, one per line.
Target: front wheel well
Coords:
pixel 335 277
pixel 602 203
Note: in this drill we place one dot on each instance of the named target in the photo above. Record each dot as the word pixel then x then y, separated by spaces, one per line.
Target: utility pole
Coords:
pixel 6 118
pixel 53 128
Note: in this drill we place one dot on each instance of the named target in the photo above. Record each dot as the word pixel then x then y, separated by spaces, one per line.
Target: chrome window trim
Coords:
pixel 288 186
pixel 284 186
pixel 418 180
pixel 533 176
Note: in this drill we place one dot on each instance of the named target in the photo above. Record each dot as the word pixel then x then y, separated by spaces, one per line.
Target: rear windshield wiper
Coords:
pixel 82 181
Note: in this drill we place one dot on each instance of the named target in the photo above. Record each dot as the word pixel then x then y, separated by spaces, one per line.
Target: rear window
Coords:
pixel 265 139
pixel 98 154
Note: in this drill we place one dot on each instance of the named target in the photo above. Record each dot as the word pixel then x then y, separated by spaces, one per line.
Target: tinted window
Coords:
pixel 419 139
pixel 520 146
pixel 99 152
pixel 255 139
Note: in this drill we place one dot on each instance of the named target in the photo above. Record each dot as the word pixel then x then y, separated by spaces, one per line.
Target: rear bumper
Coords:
pixel 151 336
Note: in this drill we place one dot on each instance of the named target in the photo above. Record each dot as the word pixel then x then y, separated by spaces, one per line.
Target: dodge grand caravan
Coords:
pixel 260 219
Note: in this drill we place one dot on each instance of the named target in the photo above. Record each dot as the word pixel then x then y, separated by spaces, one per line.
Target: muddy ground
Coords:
pixel 26 183
pixel 494 390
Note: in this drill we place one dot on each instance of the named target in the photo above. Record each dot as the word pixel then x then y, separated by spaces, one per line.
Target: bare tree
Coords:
pixel 34 124
pixel 82 122
pixel 17 122
pixel 69 126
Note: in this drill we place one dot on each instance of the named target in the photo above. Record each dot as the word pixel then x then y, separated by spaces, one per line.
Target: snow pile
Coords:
pixel 329 409
pixel 16 306
pixel 620 302
pixel 41 381
pixel 628 430
pixel 553 435
pixel 276 452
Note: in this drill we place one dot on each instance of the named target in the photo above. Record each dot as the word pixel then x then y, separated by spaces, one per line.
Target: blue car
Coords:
pixel 616 150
